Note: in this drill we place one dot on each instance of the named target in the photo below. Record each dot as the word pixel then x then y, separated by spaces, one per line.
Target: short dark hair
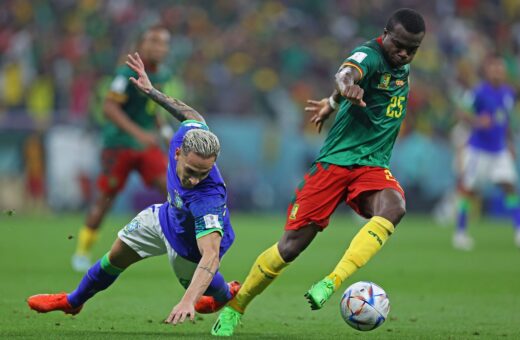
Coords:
pixel 411 20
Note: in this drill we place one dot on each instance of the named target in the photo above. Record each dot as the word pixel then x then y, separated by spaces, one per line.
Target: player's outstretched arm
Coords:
pixel 346 83
pixel 322 109
pixel 177 108
pixel 209 247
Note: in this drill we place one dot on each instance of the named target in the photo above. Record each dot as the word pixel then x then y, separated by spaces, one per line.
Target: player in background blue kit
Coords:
pixel 489 154
pixel 192 227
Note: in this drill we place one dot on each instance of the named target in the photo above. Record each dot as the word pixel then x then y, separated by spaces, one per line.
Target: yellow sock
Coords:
pixel 367 242
pixel 86 239
pixel 265 269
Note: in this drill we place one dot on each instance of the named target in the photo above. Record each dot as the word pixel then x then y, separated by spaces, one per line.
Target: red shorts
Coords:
pixel 117 164
pixel 326 185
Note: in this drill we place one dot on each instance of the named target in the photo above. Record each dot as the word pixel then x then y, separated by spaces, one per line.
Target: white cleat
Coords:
pixel 81 263
pixel 517 239
pixel 463 241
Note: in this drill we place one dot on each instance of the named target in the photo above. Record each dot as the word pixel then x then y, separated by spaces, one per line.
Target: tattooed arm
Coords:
pixel 209 247
pixel 174 106
pixel 177 108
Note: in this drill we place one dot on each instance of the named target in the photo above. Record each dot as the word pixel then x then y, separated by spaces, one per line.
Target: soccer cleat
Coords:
pixel 80 263
pixel 208 304
pixel 463 241
pixel 320 292
pixel 44 303
pixel 226 323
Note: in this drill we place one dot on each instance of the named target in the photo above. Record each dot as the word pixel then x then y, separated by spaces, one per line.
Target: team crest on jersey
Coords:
pixel 400 82
pixel 294 211
pixel 384 83
pixel 133 225
pixel 178 201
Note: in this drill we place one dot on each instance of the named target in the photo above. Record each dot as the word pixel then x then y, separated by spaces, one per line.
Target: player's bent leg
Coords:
pixel 266 268
pixel 387 208
pixel 271 262
pixel 99 277
pixel 104 272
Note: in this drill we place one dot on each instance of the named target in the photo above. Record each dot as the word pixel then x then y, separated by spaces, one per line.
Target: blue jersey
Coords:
pixel 497 102
pixel 192 213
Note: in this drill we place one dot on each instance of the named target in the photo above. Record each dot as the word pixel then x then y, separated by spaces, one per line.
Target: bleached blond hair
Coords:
pixel 202 142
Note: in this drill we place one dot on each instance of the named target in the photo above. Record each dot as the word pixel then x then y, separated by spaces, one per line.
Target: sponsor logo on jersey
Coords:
pixel 400 82
pixel 385 81
pixel 358 56
pixel 294 211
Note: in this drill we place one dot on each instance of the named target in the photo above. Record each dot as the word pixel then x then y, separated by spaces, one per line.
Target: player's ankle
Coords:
pixel 335 279
pixel 234 306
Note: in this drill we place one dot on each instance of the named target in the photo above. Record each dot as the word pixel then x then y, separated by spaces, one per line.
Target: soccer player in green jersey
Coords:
pixel 129 139
pixel 371 97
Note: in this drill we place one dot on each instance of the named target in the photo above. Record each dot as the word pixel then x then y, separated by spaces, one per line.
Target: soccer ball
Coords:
pixel 364 306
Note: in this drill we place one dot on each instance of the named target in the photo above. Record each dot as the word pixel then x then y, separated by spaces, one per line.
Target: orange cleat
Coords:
pixel 208 304
pixel 44 303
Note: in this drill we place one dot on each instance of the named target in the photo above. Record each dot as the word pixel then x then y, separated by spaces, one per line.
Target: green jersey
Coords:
pixel 138 107
pixel 366 135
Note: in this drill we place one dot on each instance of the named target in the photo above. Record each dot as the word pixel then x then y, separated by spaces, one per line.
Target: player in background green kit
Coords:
pixel 371 97
pixel 130 141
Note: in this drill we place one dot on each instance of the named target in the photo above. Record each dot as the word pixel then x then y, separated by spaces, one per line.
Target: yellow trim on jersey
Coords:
pixel 348 63
pixel 118 97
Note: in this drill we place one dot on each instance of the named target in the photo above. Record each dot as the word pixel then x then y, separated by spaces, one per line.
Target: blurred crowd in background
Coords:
pixel 246 60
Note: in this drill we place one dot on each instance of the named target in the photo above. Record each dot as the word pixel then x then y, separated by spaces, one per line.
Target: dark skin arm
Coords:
pixel 115 113
pixel 346 86
pixel 177 108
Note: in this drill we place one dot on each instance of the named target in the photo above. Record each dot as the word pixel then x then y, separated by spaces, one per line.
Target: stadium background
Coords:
pixel 248 66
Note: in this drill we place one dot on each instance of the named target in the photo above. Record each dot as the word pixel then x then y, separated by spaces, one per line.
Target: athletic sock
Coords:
pixel 462 215
pixel 265 269
pixel 218 288
pixel 86 238
pixel 513 203
pixel 367 242
pixel 99 277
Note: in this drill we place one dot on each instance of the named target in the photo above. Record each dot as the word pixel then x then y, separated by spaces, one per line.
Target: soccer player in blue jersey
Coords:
pixel 193 227
pixel 488 155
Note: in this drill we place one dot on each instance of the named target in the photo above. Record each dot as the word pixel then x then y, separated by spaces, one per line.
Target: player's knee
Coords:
pixel 289 250
pixel 397 213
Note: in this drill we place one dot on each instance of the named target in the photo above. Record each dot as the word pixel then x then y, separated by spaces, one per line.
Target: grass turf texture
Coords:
pixel 435 292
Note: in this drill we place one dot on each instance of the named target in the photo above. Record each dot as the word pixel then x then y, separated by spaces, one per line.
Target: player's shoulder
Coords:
pixel 368 48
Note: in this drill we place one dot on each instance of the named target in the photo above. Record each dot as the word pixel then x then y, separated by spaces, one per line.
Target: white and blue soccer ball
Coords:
pixel 364 306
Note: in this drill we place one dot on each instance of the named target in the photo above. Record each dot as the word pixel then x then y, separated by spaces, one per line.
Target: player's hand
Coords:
pixel 181 312
pixel 142 82
pixel 320 111
pixel 354 94
pixel 147 139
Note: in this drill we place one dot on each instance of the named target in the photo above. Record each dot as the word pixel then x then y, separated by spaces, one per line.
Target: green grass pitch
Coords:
pixel 435 292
